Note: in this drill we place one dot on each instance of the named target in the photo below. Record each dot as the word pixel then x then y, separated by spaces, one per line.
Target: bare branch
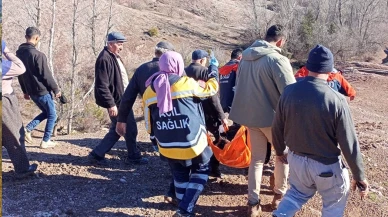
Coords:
pixel 109 19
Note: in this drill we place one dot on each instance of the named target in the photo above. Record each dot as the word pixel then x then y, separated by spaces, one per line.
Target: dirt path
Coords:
pixel 67 185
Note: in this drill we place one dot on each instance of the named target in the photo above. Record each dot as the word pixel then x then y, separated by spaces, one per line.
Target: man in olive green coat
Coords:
pixel 262 75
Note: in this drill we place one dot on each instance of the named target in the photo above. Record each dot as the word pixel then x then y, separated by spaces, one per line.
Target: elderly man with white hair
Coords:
pixel 111 80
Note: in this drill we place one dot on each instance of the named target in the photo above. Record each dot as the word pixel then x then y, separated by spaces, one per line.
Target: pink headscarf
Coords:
pixel 170 62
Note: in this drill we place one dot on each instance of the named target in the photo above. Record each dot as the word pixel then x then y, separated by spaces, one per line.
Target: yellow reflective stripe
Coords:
pixel 185 153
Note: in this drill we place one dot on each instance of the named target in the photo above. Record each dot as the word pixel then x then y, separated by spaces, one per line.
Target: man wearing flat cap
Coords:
pixel 111 80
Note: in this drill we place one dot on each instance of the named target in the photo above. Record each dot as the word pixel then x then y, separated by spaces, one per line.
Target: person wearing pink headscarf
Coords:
pixel 173 110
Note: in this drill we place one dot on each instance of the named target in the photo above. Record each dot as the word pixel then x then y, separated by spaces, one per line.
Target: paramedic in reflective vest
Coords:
pixel 173 111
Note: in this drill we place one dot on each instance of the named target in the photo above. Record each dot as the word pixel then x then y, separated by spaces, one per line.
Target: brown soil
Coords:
pixel 67 185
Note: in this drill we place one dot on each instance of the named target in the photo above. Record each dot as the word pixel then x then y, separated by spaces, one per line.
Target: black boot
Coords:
pixel 215 167
pixel 268 154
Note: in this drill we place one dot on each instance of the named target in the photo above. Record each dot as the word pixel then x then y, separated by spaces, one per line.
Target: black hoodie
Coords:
pixel 38 79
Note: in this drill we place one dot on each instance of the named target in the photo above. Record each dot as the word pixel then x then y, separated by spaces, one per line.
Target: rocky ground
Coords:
pixel 67 185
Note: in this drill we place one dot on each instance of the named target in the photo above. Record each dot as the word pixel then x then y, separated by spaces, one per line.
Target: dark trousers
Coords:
pixel 212 125
pixel 189 183
pixel 13 133
pixel 112 137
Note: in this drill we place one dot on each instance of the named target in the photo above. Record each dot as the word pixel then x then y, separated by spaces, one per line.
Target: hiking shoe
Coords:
pixel 30 172
pixel 48 144
pixel 276 200
pixel 254 210
pixel 181 213
pixel 138 161
pixel 27 136
pixel 97 160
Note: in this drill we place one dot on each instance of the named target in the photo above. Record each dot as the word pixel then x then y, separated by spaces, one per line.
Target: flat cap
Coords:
pixel 116 36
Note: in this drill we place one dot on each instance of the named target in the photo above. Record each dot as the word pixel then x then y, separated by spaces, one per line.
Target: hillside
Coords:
pixel 67 185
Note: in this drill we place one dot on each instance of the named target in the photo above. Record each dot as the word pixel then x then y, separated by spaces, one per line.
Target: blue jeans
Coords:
pixel 46 104
pixel 112 137
pixel 189 182
pixel 305 180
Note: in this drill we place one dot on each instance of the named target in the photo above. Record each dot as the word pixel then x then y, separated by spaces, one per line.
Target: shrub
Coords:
pixel 307 29
pixel 154 31
pixel 92 118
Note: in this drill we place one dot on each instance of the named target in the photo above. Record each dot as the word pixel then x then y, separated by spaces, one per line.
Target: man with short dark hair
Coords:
pixel 37 84
pixel 214 115
pixel 261 77
pixel 228 79
pixel 314 155
pixel 111 81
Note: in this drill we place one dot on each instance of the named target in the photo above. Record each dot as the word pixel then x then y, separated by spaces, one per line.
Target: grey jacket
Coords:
pixel 262 75
pixel 315 121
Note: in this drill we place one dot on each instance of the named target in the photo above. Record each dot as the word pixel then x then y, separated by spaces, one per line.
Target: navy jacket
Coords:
pixel 136 86
pixel 227 84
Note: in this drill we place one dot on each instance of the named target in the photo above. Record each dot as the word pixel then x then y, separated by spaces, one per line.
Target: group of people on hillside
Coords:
pixel 258 89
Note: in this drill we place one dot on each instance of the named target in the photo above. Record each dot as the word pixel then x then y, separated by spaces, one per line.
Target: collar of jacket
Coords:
pixel 155 59
pixel 28 45
pixel 197 64
pixel 114 55
pixel 315 79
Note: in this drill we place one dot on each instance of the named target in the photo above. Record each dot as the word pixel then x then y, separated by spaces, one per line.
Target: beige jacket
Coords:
pixel 262 75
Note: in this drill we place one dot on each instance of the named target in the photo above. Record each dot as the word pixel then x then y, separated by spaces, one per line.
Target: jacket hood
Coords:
pixel 259 49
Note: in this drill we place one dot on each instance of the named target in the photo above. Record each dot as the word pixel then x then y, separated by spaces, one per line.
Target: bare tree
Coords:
pixel 74 62
pixel 255 17
pixel 36 15
pixel 93 28
pixel 110 25
pixel 51 42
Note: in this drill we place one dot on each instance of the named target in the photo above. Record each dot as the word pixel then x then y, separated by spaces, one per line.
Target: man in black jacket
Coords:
pixel 37 84
pixel 137 86
pixel 214 115
pixel 111 80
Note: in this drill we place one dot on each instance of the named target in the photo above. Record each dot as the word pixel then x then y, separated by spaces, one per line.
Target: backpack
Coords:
pixel 235 153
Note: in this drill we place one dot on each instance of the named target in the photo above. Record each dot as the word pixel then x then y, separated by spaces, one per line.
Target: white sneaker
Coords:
pixel 48 144
pixel 27 136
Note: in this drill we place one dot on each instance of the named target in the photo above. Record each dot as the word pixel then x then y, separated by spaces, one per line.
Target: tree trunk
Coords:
pixel 51 42
pixel 38 17
pixel 51 58
pixel 255 18
pixel 93 27
pixel 109 20
pixel 73 79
